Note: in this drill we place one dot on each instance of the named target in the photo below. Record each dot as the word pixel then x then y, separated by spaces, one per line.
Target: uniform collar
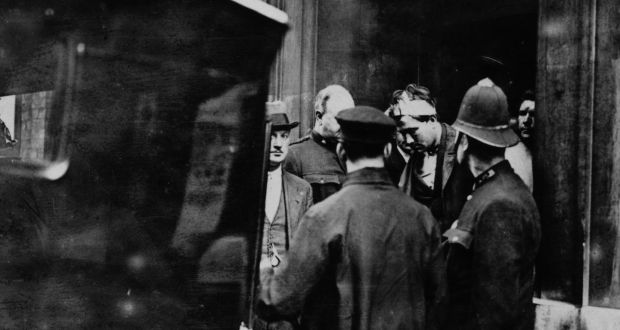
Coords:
pixel 491 172
pixel 318 138
pixel 368 175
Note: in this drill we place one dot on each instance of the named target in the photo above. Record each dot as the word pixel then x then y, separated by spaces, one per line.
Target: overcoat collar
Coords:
pixel 368 175
pixel 491 172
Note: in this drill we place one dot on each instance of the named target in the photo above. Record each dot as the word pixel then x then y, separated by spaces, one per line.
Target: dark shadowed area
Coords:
pixel 162 120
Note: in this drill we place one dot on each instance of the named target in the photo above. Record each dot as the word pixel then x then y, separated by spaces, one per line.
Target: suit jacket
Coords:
pixel 447 146
pixel 491 255
pixel 379 249
pixel 298 195
pixel 456 181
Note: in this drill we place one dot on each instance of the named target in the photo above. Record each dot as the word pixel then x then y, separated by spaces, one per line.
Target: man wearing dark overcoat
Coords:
pixel 429 172
pixel 287 199
pixel 314 157
pixel 493 244
pixel 378 247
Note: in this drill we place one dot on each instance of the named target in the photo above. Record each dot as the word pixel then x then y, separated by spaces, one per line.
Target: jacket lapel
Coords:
pixel 450 154
pixel 293 200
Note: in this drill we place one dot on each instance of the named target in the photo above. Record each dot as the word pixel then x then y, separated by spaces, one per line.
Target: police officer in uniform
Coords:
pixel 493 244
pixel 314 157
pixel 379 248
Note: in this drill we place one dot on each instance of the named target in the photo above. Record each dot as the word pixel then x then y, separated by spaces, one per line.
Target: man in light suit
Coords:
pixel 287 199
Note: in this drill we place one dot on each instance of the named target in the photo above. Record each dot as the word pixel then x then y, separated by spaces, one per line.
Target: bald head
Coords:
pixel 327 104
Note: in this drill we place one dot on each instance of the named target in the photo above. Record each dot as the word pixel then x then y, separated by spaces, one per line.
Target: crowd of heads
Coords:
pixel 413 109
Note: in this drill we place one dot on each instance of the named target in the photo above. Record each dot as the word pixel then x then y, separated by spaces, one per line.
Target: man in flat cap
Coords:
pixel 429 172
pixel 287 199
pixel 378 247
pixel 493 244
pixel 314 157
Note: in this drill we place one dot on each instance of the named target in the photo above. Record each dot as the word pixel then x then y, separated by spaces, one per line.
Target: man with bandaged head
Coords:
pixel 314 157
pixel 428 147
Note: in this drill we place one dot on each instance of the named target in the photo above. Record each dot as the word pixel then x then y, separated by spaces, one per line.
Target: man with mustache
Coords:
pixel 287 199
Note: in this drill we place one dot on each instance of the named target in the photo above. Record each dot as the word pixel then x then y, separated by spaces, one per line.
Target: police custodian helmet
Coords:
pixel 483 115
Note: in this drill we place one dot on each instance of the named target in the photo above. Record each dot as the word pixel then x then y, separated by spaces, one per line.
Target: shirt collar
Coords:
pixel 368 175
pixel 403 153
pixel 275 173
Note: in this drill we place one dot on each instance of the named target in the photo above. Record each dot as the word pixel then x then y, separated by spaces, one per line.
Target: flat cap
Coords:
pixel 364 124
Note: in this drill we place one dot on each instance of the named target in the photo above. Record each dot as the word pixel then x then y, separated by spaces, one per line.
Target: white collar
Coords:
pixel 275 173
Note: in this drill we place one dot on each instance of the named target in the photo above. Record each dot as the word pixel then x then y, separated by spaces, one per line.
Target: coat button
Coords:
pixel 469 197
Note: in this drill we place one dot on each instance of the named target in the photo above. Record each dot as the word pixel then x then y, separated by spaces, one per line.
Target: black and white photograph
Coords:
pixel 310 164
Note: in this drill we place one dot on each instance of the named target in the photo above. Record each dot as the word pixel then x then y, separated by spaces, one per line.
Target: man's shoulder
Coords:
pixel 508 192
pixel 296 181
pixel 400 200
pixel 302 148
pixel 301 141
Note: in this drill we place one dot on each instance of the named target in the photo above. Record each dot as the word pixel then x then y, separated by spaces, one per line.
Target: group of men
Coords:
pixel 416 224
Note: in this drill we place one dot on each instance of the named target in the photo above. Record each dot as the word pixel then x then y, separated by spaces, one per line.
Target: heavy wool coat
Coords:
pixel 377 248
pixel 491 255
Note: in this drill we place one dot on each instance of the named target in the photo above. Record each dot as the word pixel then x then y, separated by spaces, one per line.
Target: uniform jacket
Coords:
pixel 314 159
pixel 456 181
pixel 491 255
pixel 377 247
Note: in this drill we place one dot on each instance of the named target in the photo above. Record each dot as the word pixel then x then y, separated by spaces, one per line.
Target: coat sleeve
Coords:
pixel 499 234
pixel 305 264
pixel 435 275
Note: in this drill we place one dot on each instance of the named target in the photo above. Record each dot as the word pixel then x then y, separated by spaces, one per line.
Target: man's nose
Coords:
pixel 409 138
pixel 277 143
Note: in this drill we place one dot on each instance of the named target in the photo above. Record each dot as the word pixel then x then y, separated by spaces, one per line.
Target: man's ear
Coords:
pixel 340 151
pixel 319 115
pixel 387 150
